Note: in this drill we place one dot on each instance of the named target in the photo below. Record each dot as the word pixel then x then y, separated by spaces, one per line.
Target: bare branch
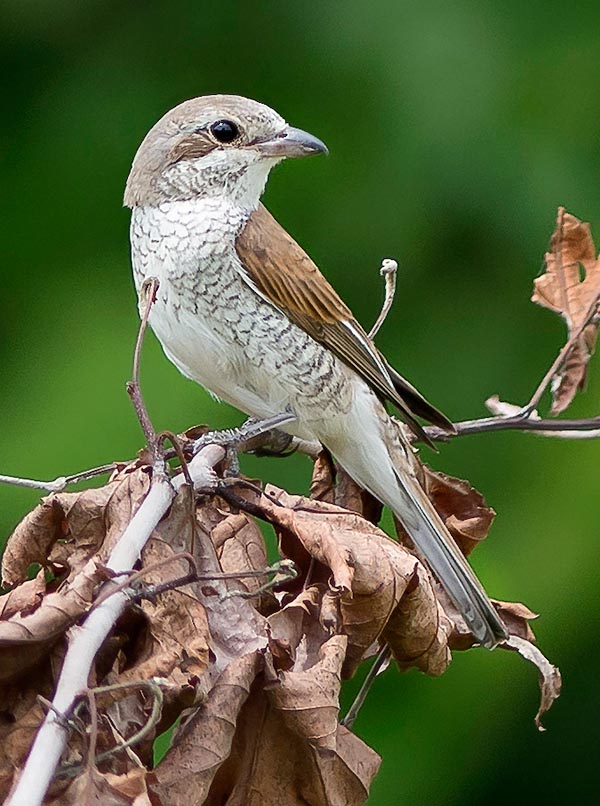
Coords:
pixel 588 428
pixel 60 483
pixel 85 641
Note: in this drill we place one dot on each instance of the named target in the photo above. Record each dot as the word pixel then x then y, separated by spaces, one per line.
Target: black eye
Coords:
pixel 224 131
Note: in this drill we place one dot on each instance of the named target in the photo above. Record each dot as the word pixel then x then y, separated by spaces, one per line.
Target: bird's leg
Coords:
pixel 236 439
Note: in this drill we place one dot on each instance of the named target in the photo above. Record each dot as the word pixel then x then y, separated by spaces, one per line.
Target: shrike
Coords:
pixel 243 310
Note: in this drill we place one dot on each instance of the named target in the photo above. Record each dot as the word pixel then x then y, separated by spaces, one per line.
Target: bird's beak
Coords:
pixel 292 143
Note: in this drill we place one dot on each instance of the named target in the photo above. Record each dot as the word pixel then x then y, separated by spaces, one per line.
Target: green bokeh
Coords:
pixel 455 130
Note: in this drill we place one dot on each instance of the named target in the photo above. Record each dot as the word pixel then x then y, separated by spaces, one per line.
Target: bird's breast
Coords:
pixel 216 328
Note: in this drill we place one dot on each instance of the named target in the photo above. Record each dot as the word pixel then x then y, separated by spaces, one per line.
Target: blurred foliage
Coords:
pixel 455 130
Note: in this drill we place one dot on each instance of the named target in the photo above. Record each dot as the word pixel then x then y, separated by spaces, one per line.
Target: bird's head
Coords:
pixel 214 145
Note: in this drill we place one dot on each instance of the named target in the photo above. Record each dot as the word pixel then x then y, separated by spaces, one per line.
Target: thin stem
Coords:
pixel 133 387
pixel 518 422
pixel 562 356
pixel 385 653
pixel 388 271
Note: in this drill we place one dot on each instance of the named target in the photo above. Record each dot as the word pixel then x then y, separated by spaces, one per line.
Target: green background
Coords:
pixel 455 131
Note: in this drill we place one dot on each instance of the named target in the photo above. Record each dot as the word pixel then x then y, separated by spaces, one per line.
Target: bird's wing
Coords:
pixel 284 275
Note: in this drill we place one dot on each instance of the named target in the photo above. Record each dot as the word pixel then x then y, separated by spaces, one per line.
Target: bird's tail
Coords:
pixel 436 545
pixel 378 459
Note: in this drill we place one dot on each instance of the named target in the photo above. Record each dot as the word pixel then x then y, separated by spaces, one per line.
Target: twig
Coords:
pixel 385 653
pixel 567 429
pixel 133 387
pixel 591 313
pixel 85 641
pixel 388 270
pixel 91 754
pixel 59 483
pixel 70 770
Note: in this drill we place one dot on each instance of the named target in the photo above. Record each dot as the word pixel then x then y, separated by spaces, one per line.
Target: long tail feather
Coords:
pixel 372 450
pixel 439 550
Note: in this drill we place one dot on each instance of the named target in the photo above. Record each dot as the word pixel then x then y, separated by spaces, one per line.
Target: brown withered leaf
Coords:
pixel 23 599
pixel 563 290
pixel 93 788
pixel 308 697
pixel 381 570
pixel 203 743
pixel 32 540
pixel 549 675
pixel 241 547
pixel 516 618
pixel 332 484
pixel 322 485
pixel 21 714
pixel 418 630
pixel 318 533
pixel 296 632
pixel 462 508
pixel 69 528
pixel 24 639
pixel 270 765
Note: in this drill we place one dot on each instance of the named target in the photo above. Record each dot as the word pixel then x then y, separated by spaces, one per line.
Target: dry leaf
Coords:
pixel 269 765
pixel 24 599
pixel 332 484
pixel 308 697
pixel 549 675
pixel 570 287
pixel 379 571
pixel 418 630
pixel 70 528
pixel 24 639
pixel 93 788
pixel 463 509
pixel 202 744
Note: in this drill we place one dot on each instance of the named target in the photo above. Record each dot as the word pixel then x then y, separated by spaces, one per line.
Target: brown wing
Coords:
pixel 283 273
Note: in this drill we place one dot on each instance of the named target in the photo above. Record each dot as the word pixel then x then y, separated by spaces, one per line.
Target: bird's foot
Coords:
pixel 234 440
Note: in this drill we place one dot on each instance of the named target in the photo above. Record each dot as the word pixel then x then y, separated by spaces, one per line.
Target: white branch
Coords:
pixel 85 641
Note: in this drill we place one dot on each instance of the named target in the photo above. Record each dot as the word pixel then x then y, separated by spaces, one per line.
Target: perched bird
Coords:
pixel 243 310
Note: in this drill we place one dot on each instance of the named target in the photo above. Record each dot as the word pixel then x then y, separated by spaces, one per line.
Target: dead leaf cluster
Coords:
pixel 242 671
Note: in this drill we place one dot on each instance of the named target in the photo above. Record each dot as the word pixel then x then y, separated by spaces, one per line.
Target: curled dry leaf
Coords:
pixel 24 639
pixel 418 630
pixel 203 743
pixel 570 286
pixel 270 764
pixel 93 788
pixel 21 714
pixel 241 547
pixel 549 675
pixel 176 641
pixel 379 569
pixel 461 506
pixel 69 528
pixel 516 618
pixel 304 519
pixel 332 484
pixel 25 598
pixel 308 697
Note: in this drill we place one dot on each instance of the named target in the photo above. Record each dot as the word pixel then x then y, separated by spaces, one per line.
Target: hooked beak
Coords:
pixel 292 143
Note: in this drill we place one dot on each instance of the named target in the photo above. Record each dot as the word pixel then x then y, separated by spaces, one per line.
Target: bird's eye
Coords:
pixel 224 131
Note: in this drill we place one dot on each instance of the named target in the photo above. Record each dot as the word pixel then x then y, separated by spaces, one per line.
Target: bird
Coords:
pixel 243 310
